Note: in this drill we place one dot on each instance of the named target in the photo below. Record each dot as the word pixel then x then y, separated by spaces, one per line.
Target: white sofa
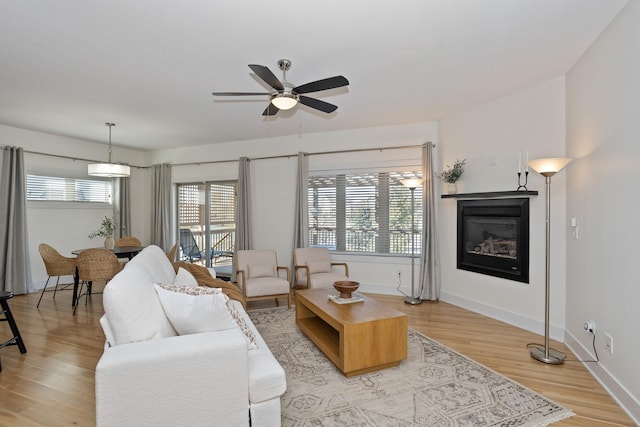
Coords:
pixel 148 375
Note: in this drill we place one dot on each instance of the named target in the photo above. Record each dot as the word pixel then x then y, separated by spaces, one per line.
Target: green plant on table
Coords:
pixel 107 227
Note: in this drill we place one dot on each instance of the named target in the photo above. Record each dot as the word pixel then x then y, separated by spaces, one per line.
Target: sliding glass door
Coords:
pixel 207 222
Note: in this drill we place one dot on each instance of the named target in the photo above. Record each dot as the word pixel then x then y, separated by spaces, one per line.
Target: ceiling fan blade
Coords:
pixel 317 104
pixel 239 93
pixel 265 74
pixel 271 110
pixel 324 84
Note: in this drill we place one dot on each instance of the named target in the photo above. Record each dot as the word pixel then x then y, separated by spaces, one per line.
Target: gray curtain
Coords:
pixel 301 217
pixel 429 261
pixel 243 213
pixel 15 266
pixel 243 216
pixel 161 207
pixel 122 207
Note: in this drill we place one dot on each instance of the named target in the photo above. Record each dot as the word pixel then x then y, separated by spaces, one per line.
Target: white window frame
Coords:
pixel 381 232
pixel 72 201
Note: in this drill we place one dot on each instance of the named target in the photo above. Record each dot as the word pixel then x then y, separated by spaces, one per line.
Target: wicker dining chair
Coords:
pixel 128 241
pixel 95 265
pixel 56 265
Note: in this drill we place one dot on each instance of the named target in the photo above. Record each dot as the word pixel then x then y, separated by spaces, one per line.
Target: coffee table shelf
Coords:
pixel 357 338
pixel 325 337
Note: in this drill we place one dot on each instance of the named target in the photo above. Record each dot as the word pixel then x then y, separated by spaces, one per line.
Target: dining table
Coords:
pixel 119 251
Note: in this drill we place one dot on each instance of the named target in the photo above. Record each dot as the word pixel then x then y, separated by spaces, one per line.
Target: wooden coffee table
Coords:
pixel 358 338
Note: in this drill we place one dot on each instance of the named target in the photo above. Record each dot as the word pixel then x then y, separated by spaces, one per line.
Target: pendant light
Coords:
pixel 109 170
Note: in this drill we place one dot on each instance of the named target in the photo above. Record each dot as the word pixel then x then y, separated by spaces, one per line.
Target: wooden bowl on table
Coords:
pixel 346 287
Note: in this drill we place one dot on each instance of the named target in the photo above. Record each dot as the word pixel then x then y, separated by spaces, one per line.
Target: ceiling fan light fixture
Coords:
pixel 285 101
pixel 109 170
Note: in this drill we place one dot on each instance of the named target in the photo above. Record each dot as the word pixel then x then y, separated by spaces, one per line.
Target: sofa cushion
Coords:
pixel 184 278
pixel 195 309
pixel 267 379
pixel 132 307
pixel 156 262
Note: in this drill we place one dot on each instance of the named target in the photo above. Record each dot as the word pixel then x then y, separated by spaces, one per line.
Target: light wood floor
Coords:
pixel 53 383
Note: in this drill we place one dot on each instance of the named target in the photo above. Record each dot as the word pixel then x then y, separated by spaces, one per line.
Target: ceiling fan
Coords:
pixel 284 95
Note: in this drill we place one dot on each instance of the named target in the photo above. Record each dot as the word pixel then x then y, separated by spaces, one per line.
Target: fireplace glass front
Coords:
pixel 493 237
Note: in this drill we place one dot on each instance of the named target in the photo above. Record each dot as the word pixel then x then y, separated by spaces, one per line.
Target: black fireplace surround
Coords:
pixel 493 237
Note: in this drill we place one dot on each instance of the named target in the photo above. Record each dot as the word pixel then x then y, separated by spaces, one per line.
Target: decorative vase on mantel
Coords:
pixel 452 188
pixel 109 243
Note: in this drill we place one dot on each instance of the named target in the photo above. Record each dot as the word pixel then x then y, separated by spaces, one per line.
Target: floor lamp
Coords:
pixel 412 184
pixel 547 168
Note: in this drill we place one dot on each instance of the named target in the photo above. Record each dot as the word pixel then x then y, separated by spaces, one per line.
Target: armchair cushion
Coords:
pixel 266 286
pixel 319 267
pixel 261 270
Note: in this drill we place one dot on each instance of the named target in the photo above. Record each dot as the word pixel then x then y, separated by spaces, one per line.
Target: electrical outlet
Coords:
pixel 590 326
pixel 608 342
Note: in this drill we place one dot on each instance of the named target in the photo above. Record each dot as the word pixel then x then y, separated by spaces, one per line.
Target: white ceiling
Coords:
pixel 69 66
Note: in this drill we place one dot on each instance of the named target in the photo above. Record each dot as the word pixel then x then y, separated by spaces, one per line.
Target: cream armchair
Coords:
pixel 258 275
pixel 313 268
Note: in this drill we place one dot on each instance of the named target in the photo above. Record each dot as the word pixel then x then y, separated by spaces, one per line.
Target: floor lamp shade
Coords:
pixel 547 167
pixel 551 165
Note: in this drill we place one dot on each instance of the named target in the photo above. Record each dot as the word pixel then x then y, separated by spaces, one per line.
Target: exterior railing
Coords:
pixel 363 240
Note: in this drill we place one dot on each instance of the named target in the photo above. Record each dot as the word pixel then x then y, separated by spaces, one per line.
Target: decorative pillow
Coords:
pixel 319 267
pixel 251 338
pixel 261 270
pixel 185 278
pixel 194 309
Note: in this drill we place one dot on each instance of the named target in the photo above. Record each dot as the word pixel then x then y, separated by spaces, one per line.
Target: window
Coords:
pixel 51 188
pixel 365 212
pixel 207 221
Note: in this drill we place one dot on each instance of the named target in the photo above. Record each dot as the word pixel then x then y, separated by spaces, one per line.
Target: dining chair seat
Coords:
pixel 95 265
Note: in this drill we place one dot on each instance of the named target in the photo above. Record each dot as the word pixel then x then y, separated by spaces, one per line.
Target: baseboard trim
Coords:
pixel 498 313
pixel 620 394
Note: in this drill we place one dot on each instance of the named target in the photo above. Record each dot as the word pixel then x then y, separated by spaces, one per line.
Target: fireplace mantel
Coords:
pixel 489 194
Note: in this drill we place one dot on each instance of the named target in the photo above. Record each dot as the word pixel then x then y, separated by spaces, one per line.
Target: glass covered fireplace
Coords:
pixel 493 237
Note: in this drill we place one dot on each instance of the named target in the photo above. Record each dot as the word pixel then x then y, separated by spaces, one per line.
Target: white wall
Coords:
pixel 273 183
pixel 57 224
pixel 603 136
pixel 498 132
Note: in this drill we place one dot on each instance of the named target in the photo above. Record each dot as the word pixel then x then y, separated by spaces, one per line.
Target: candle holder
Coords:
pixel 523 187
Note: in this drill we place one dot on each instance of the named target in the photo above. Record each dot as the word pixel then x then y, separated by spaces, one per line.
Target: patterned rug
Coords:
pixel 435 386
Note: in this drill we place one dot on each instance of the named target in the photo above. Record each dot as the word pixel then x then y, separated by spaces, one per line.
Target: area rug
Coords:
pixel 435 386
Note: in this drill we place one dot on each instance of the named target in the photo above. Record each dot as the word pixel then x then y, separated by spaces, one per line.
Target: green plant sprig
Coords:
pixel 107 227
pixel 453 173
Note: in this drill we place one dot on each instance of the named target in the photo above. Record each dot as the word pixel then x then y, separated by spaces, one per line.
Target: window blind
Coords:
pixel 61 189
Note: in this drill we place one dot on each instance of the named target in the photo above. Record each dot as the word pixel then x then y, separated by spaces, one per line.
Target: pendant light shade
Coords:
pixel 109 170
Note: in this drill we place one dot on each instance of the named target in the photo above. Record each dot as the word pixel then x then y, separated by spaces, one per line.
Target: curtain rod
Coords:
pixel 283 156
pixel 60 156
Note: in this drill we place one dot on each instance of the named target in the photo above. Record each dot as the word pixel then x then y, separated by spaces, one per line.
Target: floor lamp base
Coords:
pixel 412 301
pixel 553 357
